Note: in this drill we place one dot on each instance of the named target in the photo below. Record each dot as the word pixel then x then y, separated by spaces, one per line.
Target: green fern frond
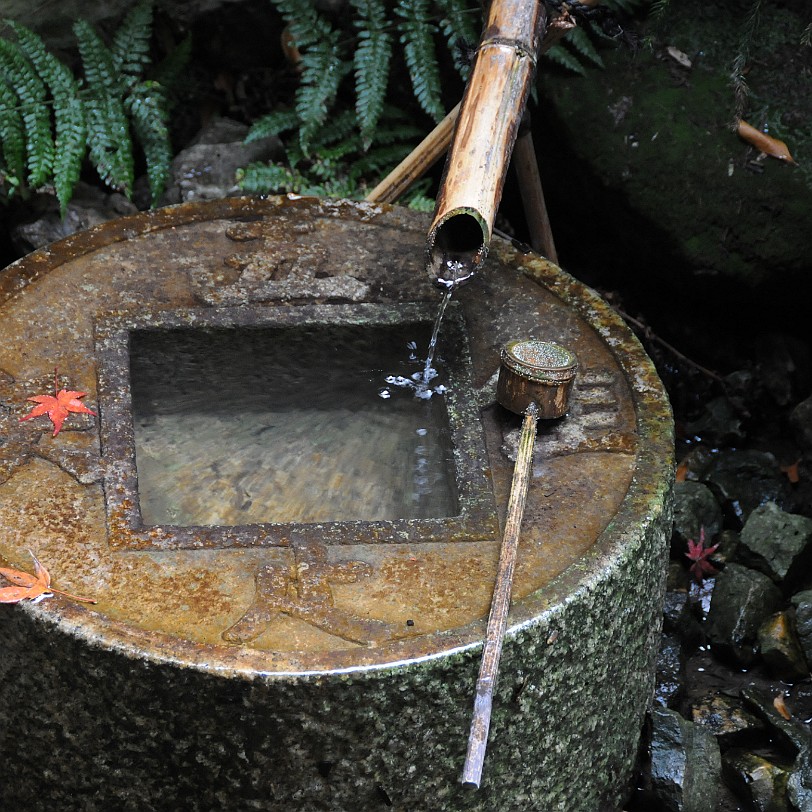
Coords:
pixel 323 64
pixel 459 25
pixel 417 36
pixel 747 37
pixel 657 9
pixel 109 141
pixel 580 42
pixel 69 116
pixel 21 76
pixel 12 137
pixel 559 55
pixel 97 61
pixel 147 108
pixel 130 48
pixel 273 124
pixel 371 64
pixel 169 71
pixel 258 178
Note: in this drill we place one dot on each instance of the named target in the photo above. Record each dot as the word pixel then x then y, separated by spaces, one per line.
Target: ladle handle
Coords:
pixel 500 604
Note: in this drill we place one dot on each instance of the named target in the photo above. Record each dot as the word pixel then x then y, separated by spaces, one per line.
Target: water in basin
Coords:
pixel 245 425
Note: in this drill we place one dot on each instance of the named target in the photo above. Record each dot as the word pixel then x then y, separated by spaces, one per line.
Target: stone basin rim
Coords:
pixel 642 505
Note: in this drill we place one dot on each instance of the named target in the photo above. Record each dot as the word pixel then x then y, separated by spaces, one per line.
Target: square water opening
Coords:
pixel 247 425
pixel 263 425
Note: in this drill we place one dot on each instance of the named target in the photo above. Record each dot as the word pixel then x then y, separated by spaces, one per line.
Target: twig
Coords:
pixel 651 336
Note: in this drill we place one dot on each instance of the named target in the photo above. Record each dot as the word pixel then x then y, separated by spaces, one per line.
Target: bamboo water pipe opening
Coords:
pixel 457 246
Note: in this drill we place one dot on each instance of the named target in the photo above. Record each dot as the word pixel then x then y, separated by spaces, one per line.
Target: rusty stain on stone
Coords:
pixel 204 599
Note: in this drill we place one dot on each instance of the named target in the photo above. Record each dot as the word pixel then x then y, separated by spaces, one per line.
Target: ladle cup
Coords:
pixel 535 379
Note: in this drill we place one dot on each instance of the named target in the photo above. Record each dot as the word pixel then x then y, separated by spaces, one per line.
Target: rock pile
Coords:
pixel 726 731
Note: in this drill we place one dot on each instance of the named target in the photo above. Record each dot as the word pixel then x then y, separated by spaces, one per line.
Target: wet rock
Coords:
pixel 742 599
pixel 679 617
pixel 719 424
pixel 88 207
pixel 728 541
pixel 801 421
pixel 744 480
pixel 799 786
pixel 695 507
pixel 802 601
pixel 669 678
pixel 777 543
pixel 685 763
pixel 782 364
pixel 796 738
pixel 761 782
pixel 726 718
pixel 781 649
pixel 206 169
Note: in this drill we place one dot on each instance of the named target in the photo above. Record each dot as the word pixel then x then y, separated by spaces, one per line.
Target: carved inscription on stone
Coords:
pixel 279 260
pixel 303 590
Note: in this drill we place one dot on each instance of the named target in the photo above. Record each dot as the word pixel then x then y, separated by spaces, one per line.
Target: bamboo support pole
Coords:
pixel 497 619
pixel 477 162
pixel 535 208
pixel 417 163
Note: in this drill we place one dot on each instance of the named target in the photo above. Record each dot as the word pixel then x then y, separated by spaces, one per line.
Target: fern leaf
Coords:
pixel 170 70
pixel 147 108
pixel 561 56
pixel 109 141
pixel 21 76
pixel 322 73
pixel 274 123
pixel 259 178
pixel 372 59
pixel 579 40
pixel 417 36
pixel 68 113
pixel 12 138
pixel 459 24
pixel 130 48
pixel 323 65
pixel 97 61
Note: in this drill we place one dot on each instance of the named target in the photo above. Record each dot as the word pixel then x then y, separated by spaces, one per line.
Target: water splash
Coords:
pixel 420 382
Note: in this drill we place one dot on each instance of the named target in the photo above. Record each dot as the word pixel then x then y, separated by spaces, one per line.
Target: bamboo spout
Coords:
pixel 478 161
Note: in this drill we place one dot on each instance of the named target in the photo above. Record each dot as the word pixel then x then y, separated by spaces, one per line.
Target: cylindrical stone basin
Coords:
pixel 246 652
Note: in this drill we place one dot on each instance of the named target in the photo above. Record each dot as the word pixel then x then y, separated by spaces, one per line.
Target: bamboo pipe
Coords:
pixel 437 142
pixel 477 163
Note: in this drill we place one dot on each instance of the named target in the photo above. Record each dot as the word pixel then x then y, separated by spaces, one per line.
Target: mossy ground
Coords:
pixel 649 185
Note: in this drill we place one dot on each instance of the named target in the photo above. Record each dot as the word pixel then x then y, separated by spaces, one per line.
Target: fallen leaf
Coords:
pixel 781 706
pixel 700 554
pixel 792 473
pixel 682 471
pixel 57 406
pixel 763 142
pixel 32 588
pixel 680 57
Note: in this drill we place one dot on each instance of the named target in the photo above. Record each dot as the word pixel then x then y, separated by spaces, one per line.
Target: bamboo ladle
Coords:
pixel 535 379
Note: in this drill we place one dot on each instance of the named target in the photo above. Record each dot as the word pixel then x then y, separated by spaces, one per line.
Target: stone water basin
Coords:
pixel 273 628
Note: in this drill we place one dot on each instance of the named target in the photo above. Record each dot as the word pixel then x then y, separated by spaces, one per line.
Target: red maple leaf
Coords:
pixel 32 588
pixel 57 406
pixel 699 554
